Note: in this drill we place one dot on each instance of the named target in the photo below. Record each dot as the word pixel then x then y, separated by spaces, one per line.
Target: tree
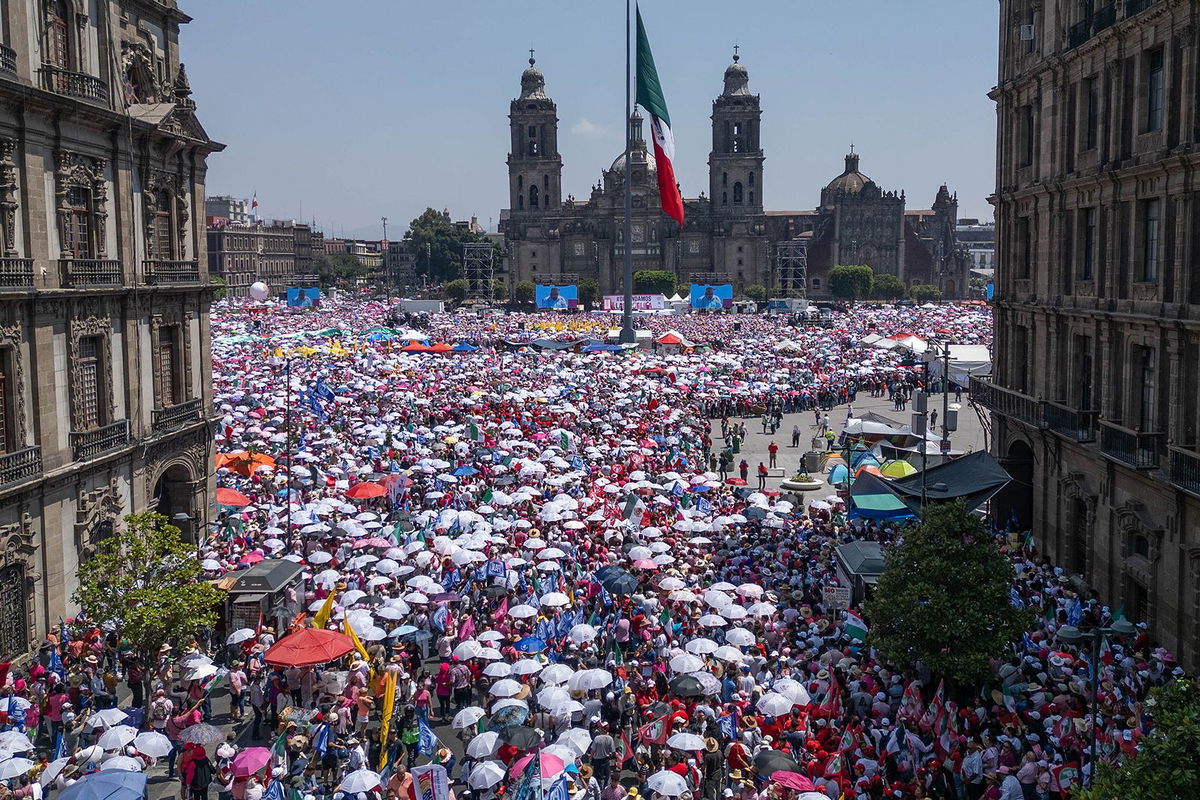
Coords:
pixel 339 269
pixel 1167 763
pixel 146 580
pixel 499 290
pixel 437 245
pixel 944 597
pixel 523 292
pixel 589 292
pixel 851 282
pixel 219 286
pixel 756 292
pixel 684 290
pixel 925 293
pixel 887 287
pixel 457 289
pixel 654 281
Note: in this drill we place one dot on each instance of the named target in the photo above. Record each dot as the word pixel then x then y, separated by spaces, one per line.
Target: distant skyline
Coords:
pixel 385 108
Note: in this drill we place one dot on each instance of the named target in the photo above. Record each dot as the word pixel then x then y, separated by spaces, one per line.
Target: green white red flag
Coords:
pixel 650 97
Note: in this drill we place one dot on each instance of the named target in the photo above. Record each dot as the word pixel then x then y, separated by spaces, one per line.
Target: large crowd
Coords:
pixel 548 590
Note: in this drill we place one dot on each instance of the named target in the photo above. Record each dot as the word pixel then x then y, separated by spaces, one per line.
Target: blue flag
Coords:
pixel 321 740
pixel 274 791
pixel 59 747
pixel 496 568
pixel 1014 597
pixel 558 789
pixel 56 664
pixel 1075 615
pixel 703 506
pixel 438 619
pixel 728 725
pixel 323 390
pixel 426 741
pixel 451 578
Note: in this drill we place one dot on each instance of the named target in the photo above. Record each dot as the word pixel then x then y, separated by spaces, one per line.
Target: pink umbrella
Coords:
pixel 645 563
pixel 551 765
pixel 250 761
pixel 793 780
pixel 374 541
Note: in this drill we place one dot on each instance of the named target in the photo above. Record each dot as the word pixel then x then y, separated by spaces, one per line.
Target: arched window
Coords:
pixel 161 243
pixel 533 196
pixel 737 192
pixel 724 178
pixel 545 183
pixel 520 183
pixel 737 137
pixel 751 180
pixel 727 137
pixel 520 201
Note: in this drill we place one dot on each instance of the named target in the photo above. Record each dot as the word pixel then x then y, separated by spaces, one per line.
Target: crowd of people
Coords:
pixel 547 590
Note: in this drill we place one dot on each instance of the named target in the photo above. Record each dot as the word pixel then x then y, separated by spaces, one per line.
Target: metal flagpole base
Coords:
pixel 628 336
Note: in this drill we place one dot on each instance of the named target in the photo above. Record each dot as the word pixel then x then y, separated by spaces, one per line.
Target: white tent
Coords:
pixel 965 360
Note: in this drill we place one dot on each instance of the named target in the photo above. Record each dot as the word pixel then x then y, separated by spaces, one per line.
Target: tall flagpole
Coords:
pixel 628 336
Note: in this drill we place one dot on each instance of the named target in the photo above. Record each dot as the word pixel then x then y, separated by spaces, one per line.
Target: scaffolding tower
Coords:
pixel 479 270
pixel 791 266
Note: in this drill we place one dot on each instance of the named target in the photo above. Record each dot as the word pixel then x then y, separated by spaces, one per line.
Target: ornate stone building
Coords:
pixel 1096 393
pixel 105 381
pixel 727 236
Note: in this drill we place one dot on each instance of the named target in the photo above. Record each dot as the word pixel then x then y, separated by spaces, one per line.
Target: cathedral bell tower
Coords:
pixel 534 165
pixel 735 173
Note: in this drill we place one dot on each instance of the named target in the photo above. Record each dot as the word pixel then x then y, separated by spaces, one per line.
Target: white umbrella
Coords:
pixel 468 717
pixel 522 611
pixel 556 674
pixel 483 745
pixel 506 687
pixel 53 770
pixel 727 653
pixel 497 669
pixel 793 690
pixel 686 662
pixel 240 635
pixel 555 599
pixel 701 646
pixel 201 671
pixel 486 775
pixel 117 737
pixel 774 704
pixel 552 696
pixel 713 621
pixel 123 763
pixel 689 742
pixel 667 783
pixel 582 633
pixel 739 636
pixel 490 654
pixel 14 767
pixel 153 744
pixel 590 679
pixel 762 609
pixel 577 739
pixel 361 780
pixel 527 666
pixel 468 650
pixel 15 742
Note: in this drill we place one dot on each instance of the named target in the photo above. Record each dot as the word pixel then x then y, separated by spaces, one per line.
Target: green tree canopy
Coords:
pixel 338 269
pixel 943 597
pixel 887 287
pixel 436 243
pixel 146 580
pixel 457 289
pixel 654 281
pixel 1167 763
pixel 499 289
pixel 756 292
pixel 925 293
pixel 524 291
pixel 589 292
pixel 851 282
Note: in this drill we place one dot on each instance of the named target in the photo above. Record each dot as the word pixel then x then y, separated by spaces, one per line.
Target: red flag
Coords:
pixel 624 749
pixel 655 732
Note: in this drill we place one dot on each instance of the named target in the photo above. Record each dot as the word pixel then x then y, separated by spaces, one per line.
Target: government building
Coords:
pixel 1096 395
pixel 105 373
pixel 728 236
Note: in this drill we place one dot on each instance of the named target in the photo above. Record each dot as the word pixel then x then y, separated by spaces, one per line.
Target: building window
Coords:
pixel 579 248
pixel 162 243
pixel 724 178
pixel 1025 245
pixel 1091 119
pixel 77 241
pixel 1020 358
pixel 737 192
pixel 1149 395
pixel 737 137
pixel 167 365
pixel 58 51
pixel 724 198
pixel 1154 90
pixel 816 283
pixel 1089 244
pixel 751 197
pixel 1027 135
pixel 750 180
pixel 7 401
pixel 533 196
pixel 1150 230
pixel 546 183
pixel 89 389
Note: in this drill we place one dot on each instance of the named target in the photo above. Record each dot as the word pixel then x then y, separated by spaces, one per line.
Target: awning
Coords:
pixel 268 576
pixel 974 478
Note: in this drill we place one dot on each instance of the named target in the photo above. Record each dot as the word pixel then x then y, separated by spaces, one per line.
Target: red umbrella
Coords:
pixel 793 780
pixel 307 647
pixel 229 497
pixel 735 482
pixel 365 491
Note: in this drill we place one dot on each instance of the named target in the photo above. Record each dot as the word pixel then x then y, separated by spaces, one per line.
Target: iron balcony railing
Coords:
pixel 20 466
pixel 168 273
pixel 8 59
pixel 16 273
pixel 1132 448
pixel 1077 425
pixel 73 84
pixel 1185 468
pixel 87 272
pixel 87 445
pixel 176 416
pixel 1008 403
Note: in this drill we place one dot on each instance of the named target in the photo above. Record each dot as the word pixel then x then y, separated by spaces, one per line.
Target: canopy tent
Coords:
pixel 965 360
pixel 871 497
pixel 674 337
pixel 974 478
pixel 788 346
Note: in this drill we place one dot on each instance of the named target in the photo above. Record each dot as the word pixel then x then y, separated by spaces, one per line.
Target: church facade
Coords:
pixel 727 236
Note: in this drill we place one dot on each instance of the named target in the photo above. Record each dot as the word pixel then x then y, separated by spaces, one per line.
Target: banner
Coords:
pixel 389 702
pixel 641 302
pixel 429 782
pixel 303 298
pixel 705 296
pixel 558 298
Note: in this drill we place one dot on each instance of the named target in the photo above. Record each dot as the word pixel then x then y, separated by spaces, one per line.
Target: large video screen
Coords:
pixel 557 298
pixel 712 297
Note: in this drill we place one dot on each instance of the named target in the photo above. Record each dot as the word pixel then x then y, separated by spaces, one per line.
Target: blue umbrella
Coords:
pixel 404 630
pixel 464 472
pixel 530 644
pixel 114 784
pixel 507 717
pixel 701 488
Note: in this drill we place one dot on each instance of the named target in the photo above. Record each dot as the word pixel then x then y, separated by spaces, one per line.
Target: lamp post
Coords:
pixel 1073 635
pixel 183 521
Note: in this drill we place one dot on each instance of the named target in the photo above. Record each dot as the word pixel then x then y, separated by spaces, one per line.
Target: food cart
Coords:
pixel 271 591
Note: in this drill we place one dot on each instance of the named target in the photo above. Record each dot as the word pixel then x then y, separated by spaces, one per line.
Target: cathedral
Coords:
pixel 727 236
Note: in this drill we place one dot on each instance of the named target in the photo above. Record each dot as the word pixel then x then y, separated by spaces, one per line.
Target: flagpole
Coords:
pixel 628 336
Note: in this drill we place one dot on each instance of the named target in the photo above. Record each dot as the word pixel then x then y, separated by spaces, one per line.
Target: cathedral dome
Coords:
pixel 640 157
pixel 737 78
pixel 533 83
pixel 851 180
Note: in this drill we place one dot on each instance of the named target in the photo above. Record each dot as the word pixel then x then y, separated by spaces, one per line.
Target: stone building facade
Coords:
pixel 1096 399
pixel 279 253
pixel 727 236
pixel 105 376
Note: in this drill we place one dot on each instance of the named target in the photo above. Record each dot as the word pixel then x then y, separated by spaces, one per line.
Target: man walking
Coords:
pixel 772 454
pixel 762 476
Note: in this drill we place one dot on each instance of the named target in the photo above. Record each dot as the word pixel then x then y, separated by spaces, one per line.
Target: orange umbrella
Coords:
pixel 365 491
pixel 229 497
pixel 307 647
pixel 244 462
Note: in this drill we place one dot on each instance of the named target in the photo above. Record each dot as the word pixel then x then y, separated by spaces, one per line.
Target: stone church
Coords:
pixel 727 236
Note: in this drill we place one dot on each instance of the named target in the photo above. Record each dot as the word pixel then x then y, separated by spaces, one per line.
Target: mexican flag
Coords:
pixel 855 626
pixel 650 97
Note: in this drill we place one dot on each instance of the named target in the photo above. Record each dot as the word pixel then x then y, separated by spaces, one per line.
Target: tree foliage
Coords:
pixel 887 287
pixel 437 245
pixel 755 292
pixel 851 282
pixel 338 269
pixel 654 281
pixel 944 597
pixel 589 292
pixel 523 292
pixel 499 289
pixel 457 289
pixel 146 580
pixel 1168 760
pixel 925 293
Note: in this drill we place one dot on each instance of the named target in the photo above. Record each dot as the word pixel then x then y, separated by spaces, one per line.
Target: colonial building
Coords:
pixel 105 377
pixel 279 253
pixel 727 236
pixel 1096 400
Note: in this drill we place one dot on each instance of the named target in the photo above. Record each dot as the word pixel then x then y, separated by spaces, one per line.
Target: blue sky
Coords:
pixel 385 107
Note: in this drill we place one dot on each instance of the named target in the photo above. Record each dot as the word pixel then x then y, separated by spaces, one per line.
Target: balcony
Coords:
pixel 1008 403
pixel 16 273
pixel 81 273
pixel 8 59
pixel 87 445
pixel 1185 468
pixel 1136 6
pixel 1130 447
pixel 165 420
pixel 20 466
pixel 170 273
pixel 73 84
pixel 1077 425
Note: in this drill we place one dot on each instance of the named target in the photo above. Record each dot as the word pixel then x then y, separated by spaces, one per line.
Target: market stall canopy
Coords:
pixel 674 337
pixel 973 478
pixel 267 576
pixel 966 360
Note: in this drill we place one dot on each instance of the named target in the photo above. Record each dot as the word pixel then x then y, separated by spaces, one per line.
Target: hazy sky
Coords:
pixel 349 110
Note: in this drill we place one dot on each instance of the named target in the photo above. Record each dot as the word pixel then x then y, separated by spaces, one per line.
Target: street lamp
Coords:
pixel 1075 636
pixel 183 521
